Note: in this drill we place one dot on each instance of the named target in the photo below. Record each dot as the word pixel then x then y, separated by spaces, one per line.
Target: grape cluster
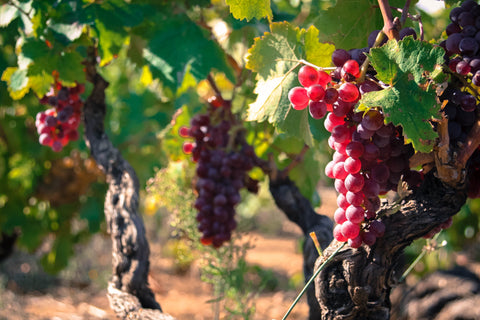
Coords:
pixel 59 124
pixel 370 156
pixel 460 105
pixel 223 160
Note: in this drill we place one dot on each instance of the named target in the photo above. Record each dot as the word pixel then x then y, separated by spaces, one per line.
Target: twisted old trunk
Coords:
pixel 356 283
pixel 128 291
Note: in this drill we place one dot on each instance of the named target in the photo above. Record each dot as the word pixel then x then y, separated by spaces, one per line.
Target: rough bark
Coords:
pixel 128 291
pixel 356 283
pixel 299 210
pixel 453 294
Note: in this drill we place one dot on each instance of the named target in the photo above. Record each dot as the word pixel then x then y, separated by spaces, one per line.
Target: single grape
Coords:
pixel 405 32
pixel 298 98
pixel 352 165
pixel 331 95
pixel 307 76
pixel 348 92
pixel 350 230
pixel 324 78
pixel 377 227
pixel 354 182
pixel 316 92
pixel 317 109
pixel 339 57
pixel 351 67
pixel 355 242
pixel 372 120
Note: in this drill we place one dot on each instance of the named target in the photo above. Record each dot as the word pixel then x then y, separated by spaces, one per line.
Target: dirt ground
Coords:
pixel 79 292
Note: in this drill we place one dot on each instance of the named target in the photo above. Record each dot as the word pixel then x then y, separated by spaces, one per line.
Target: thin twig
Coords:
pixel 13 4
pixel 403 18
pixel 297 160
pixel 417 260
pixel 214 86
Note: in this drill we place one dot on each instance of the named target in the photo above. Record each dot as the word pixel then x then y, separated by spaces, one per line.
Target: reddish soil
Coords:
pixel 80 293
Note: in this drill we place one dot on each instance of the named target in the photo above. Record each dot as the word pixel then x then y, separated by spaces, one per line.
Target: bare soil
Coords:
pixel 26 292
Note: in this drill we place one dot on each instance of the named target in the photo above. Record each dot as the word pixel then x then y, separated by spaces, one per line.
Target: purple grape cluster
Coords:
pixel 463 59
pixel 58 125
pixel 223 162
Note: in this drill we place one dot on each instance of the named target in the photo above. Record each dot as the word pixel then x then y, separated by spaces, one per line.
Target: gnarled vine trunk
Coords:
pixel 128 291
pixel 356 283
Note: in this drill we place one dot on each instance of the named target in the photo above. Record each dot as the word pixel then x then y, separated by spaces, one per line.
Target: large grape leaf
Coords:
pixel 176 44
pixel 275 57
pixel 349 22
pixel 408 101
pixel 241 9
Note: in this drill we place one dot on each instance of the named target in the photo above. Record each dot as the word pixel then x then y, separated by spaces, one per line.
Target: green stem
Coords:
pixel 417 260
pixel 311 280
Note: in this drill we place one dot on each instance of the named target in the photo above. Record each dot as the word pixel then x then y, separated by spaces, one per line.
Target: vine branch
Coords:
pixel 128 291
pixel 390 27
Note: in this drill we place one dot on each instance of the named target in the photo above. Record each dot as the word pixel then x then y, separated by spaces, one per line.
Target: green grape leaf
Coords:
pixel 405 66
pixel 250 9
pixel 307 175
pixel 407 57
pixel 70 31
pixel 70 68
pixel 176 45
pixel 275 57
pixel 409 106
pixel 349 22
pixel 8 13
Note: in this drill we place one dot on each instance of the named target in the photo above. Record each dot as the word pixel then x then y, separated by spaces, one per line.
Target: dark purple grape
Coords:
pixel 454 13
pixel 453 42
pixel 468 5
pixel 373 36
pixel 466 19
pixel 469 31
pixel 468 103
pixel 474 65
pixel 468 46
pixel 407 32
pixel 340 56
pixel 453 28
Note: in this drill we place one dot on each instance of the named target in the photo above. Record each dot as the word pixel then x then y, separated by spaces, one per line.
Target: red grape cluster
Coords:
pixel 223 160
pixel 370 156
pixel 59 124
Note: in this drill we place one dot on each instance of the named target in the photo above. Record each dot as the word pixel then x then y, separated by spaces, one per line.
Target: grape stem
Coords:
pixel 297 160
pixel 403 18
pixel 416 17
pixel 27 14
pixel 391 25
pixel 214 86
pixel 305 62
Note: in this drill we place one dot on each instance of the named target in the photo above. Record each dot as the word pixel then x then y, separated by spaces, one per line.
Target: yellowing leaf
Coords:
pixel 249 9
